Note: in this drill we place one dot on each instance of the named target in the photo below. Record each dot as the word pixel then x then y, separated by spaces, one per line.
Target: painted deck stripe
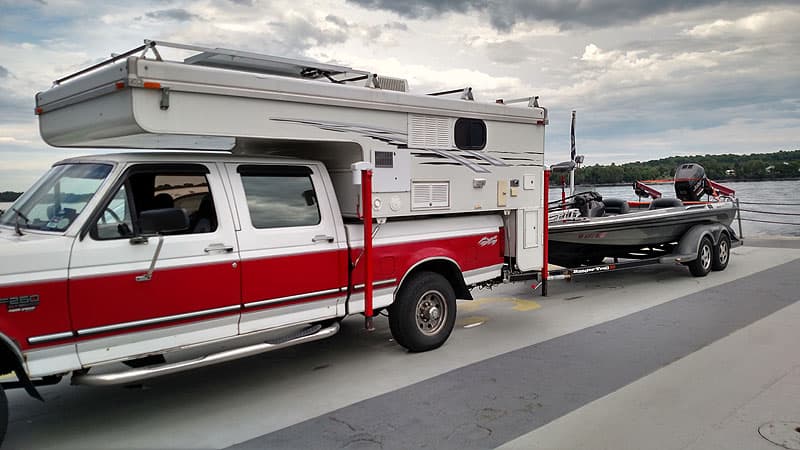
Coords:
pixel 486 404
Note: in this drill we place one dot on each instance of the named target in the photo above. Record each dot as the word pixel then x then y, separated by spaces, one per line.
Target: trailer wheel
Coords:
pixel 722 253
pixel 705 254
pixel 3 414
pixel 424 312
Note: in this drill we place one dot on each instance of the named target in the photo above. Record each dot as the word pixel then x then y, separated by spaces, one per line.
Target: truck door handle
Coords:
pixel 322 238
pixel 218 248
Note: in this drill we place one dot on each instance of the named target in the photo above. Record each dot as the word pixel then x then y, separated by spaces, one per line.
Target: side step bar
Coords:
pixel 144 373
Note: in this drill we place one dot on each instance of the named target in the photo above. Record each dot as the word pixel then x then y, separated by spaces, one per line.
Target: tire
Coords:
pixel 3 415
pixel 722 253
pixel 705 254
pixel 424 312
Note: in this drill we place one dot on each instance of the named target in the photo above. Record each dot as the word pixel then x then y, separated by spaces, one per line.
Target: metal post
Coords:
pixel 366 207
pixel 739 217
pixel 545 232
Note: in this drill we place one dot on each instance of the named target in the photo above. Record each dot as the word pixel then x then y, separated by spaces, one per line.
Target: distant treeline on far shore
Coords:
pixel 757 166
pixel 8 196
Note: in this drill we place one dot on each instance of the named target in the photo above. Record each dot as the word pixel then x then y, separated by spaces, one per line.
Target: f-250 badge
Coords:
pixel 21 303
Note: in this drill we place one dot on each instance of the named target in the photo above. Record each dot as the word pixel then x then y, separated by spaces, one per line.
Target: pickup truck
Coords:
pixel 137 257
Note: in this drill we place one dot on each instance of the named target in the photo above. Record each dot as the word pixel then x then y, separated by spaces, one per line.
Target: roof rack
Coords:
pixel 258 63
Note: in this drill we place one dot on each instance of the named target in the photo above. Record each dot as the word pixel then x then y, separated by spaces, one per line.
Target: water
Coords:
pixel 760 192
pixel 747 192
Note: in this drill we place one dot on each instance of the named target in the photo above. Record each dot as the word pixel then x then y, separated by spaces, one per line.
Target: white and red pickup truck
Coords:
pixel 257 241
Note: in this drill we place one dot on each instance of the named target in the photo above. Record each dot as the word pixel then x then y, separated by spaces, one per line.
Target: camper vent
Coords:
pixel 384 160
pixel 430 195
pixel 429 132
pixel 392 84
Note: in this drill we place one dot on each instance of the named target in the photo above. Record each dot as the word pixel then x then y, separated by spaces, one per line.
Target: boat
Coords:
pixel 585 228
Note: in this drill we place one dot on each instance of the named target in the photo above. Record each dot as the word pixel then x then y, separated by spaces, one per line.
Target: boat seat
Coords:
pixel 616 206
pixel 665 203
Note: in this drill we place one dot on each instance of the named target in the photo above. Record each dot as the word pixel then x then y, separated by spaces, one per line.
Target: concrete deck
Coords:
pixel 648 358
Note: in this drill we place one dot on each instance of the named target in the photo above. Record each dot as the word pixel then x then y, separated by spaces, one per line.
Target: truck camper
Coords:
pixel 276 197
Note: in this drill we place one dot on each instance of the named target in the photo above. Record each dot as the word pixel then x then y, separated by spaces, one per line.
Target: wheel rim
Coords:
pixel 723 252
pixel 705 256
pixel 431 312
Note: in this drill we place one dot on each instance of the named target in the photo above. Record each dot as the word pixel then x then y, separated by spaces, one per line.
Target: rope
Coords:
pixel 769 204
pixel 768 212
pixel 771 221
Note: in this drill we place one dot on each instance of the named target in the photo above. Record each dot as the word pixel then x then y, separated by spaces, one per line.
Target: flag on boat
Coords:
pixel 572 138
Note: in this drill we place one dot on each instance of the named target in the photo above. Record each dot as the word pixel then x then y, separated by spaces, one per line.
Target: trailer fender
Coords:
pixel 446 267
pixel 689 244
pixel 11 361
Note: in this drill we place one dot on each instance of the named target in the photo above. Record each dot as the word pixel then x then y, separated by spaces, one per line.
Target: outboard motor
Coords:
pixel 690 182
pixel 590 204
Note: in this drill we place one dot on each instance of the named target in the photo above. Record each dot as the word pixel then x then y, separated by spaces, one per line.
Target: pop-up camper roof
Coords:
pixel 217 95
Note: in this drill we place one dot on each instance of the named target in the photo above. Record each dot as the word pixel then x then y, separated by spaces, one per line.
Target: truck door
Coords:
pixel 293 263
pixel 193 292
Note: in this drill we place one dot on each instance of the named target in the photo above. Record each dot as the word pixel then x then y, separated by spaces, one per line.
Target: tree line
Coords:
pixel 757 166
pixel 9 196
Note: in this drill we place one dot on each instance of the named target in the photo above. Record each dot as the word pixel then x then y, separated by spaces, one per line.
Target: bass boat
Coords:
pixel 586 228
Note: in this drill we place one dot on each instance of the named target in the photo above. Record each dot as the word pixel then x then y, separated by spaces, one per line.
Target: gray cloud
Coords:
pixel 423 8
pixel 177 14
pixel 4 72
pixel 504 14
pixel 243 2
pixel 299 34
pixel 396 26
pixel 336 20
pixel 14 108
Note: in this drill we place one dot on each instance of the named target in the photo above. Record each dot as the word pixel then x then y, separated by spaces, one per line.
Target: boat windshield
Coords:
pixel 56 200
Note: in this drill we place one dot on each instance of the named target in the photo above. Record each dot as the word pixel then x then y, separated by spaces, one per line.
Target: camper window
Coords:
pixel 470 134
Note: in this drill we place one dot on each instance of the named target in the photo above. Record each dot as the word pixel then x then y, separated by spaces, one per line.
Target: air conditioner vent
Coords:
pixel 429 132
pixel 392 84
pixel 430 195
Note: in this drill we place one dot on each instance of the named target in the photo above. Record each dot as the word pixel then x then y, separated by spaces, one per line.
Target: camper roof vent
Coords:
pixel 391 83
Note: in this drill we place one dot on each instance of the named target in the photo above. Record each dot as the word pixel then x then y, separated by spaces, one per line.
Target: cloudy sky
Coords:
pixel 648 78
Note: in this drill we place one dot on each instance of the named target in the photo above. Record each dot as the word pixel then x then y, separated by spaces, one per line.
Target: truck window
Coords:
pixel 280 197
pixel 57 199
pixel 147 190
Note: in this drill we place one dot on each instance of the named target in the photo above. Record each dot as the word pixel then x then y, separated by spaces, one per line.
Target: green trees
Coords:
pixel 757 166
pixel 8 196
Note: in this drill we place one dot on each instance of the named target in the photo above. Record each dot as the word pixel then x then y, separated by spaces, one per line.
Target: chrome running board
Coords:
pixel 144 373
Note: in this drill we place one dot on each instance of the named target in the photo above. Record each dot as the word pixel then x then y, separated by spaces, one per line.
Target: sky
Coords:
pixel 648 79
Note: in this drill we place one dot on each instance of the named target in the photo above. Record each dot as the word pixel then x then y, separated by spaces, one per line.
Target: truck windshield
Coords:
pixel 56 200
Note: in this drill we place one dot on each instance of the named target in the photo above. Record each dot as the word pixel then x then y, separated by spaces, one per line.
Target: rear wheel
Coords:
pixel 424 312
pixel 705 254
pixel 722 253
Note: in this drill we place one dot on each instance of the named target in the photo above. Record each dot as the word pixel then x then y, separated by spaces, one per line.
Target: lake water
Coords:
pixel 786 193
pixel 770 196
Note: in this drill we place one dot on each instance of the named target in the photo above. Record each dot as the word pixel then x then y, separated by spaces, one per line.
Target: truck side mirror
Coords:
pixel 165 220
